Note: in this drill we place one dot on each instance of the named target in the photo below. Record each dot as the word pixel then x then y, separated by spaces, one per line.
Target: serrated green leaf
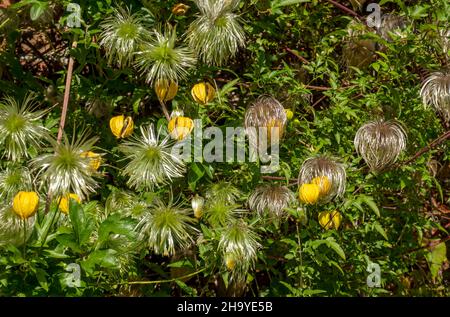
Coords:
pixel 336 247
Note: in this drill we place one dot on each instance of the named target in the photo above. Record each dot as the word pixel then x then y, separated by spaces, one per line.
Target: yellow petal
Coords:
pixel 324 184
pixel 203 92
pixel 25 204
pixel 325 220
pixel 309 193
pixel 64 202
pixel 336 218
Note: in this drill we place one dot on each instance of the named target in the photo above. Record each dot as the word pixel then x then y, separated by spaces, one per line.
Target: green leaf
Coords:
pixel 103 258
pixel 369 201
pixel 81 222
pixel 69 240
pixel 380 230
pixel 37 9
pixel 194 175
pixel 114 224
pixel 436 257
pixel 336 247
pixel 41 276
pixel 189 290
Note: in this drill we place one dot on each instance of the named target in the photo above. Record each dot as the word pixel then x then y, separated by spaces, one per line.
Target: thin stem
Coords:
pixel 24 238
pixel 51 223
pixel 300 254
pixel 345 9
pixel 301 58
pixel 164 109
pixel 162 281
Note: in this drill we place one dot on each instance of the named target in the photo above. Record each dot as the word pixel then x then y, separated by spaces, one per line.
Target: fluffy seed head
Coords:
pixel 239 246
pixel 161 61
pixel 380 143
pixel 20 127
pixel 14 179
pixel 216 35
pixel 151 161
pixel 265 117
pixel 435 92
pixel 166 228
pixel 11 227
pixel 122 34
pixel 64 170
pixel 322 166
pixel 391 23
pixel 271 199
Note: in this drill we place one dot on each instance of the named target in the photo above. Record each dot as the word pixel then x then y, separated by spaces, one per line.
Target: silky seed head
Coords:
pixel 267 115
pixel 270 199
pixel 122 34
pixel 150 160
pixel 322 166
pixel 216 35
pixel 435 93
pixel 160 60
pixel 380 143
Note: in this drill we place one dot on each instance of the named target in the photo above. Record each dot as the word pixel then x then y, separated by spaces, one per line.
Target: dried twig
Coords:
pixel 62 121
pixel 304 60
pixel 430 146
pixel 345 9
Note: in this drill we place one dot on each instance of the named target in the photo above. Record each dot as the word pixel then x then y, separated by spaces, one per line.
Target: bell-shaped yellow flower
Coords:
pixel 25 204
pixel 121 126
pixel 94 159
pixel 325 220
pixel 330 219
pixel 64 203
pixel 336 218
pixel 180 127
pixel 180 9
pixel 309 193
pixel 203 93
pixel 166 90
pixel 324 184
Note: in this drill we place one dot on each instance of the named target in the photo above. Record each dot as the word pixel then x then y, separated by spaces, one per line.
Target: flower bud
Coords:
pixel 180 127
pixel 230 262
pixel 330 219
pixel 325 220
pixel 165 90
pixel 180 9
pixel 309 193
pixel 64 203
pixel 203 93
pixel 94 159
pixel 324 184
pixel 25 204
pixel 197 206
pixel 289 114
pixel 121 126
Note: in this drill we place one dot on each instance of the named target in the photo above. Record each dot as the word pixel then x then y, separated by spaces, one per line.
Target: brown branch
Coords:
pixel 164 109
pixel 320 88
pixel 345 9
pixel 430 146
pixel 318 101
pixel 278 178
pixel 62 121
pixel 304 60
